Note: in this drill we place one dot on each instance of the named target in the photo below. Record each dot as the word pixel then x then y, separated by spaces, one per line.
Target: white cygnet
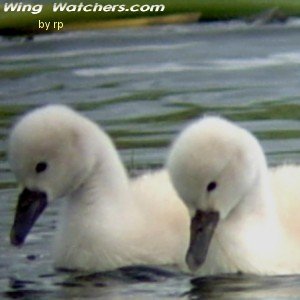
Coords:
pixel 107 221
pixel 245 217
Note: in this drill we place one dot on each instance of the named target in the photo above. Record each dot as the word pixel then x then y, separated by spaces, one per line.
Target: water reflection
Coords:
pixel 245 287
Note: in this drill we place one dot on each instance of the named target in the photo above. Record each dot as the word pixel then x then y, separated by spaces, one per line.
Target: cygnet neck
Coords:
pixel 107 181
pixel 257 200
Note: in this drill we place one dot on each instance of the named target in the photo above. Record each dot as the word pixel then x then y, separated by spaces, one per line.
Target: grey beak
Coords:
pixel 30 206
pixel 202 228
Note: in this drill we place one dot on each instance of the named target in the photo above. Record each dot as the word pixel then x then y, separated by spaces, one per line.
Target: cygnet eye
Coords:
pixel 41 167
pixel 211 186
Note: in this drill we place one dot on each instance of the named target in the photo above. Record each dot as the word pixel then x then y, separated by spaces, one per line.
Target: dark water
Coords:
pixel 143 85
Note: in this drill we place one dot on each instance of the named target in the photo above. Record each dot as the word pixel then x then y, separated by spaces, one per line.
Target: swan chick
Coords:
pixel 220 171
pixel 106 221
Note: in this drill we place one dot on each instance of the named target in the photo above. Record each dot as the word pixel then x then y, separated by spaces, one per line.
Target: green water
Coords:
pixel 142 86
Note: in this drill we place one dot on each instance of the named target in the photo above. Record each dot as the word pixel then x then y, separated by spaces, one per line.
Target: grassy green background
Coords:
pixel 20 22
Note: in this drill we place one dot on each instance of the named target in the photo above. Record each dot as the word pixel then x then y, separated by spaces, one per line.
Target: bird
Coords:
pixel 244 214
pixel 107 220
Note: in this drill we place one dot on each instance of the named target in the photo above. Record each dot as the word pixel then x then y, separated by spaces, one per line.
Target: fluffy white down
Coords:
pixel 259 229
pixel 107 221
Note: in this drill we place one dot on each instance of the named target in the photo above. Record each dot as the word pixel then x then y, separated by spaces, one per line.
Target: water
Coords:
pixel 143 85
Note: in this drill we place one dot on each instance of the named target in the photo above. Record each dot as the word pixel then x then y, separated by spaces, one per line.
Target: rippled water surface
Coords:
pixel 143 85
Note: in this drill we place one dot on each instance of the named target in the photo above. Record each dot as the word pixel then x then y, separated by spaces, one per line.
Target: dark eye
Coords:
pixel 41 167
pixel 211 186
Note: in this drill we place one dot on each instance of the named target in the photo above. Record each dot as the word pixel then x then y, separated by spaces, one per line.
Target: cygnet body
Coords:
pixel 107 221
pixel 244 216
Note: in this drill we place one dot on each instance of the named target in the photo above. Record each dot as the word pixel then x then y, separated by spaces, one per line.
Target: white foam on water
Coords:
pixel 88 52
pixel 136 69
pixel 280 59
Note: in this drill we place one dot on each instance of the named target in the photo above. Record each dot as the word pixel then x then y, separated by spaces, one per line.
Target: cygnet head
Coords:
pixel 52 151
pixel 213 165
